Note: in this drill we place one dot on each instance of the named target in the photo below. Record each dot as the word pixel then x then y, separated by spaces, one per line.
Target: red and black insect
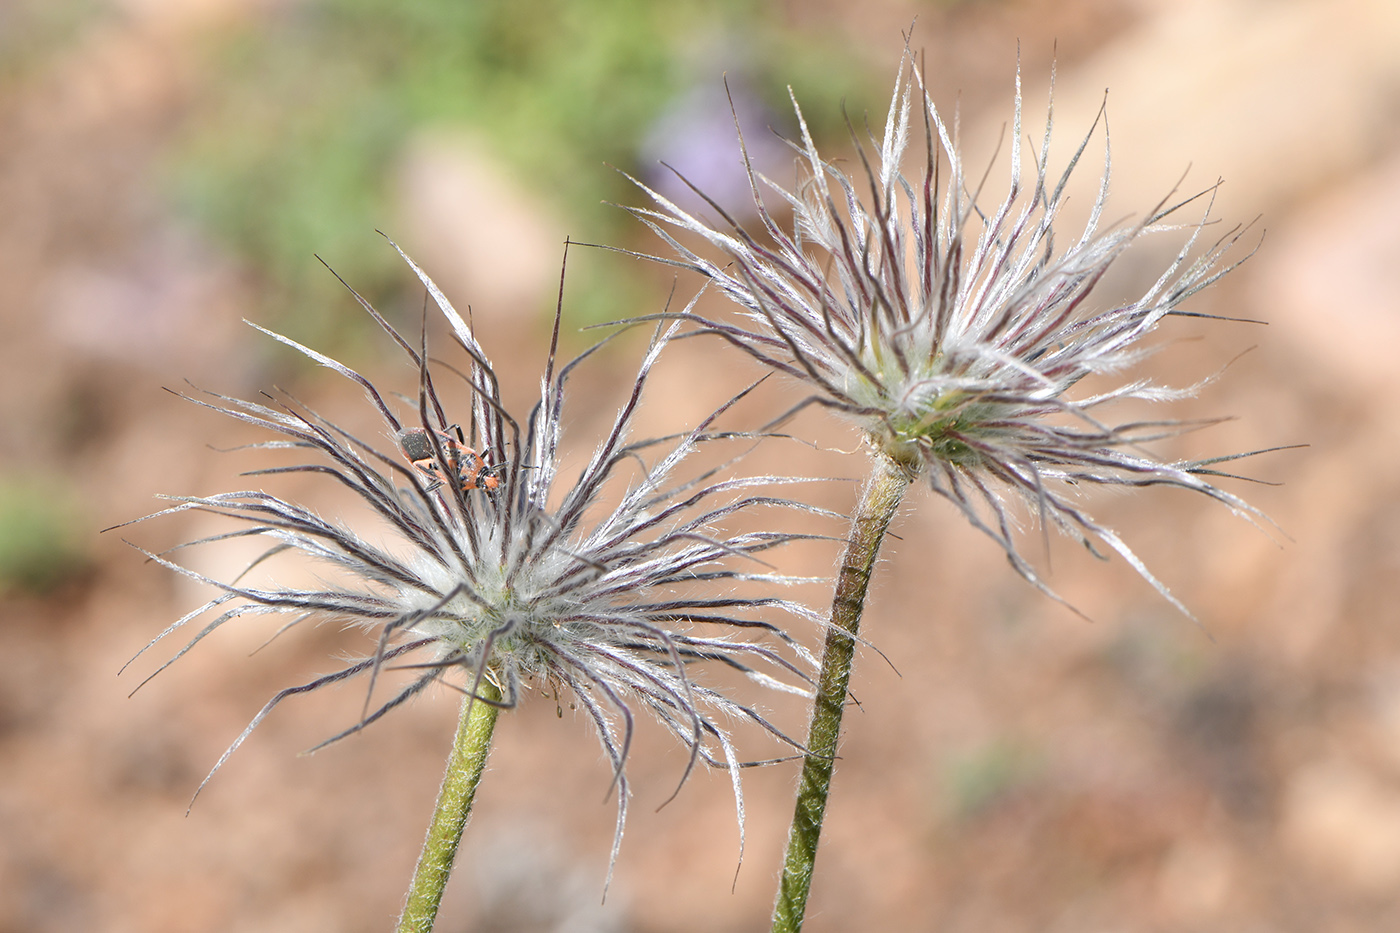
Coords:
pixel 470 469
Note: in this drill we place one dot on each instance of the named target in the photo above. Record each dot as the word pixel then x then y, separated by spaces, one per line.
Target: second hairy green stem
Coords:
pixel 879 501
pixel 454 805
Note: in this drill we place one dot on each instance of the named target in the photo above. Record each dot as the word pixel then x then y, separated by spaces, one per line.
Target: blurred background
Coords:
pixel 169 167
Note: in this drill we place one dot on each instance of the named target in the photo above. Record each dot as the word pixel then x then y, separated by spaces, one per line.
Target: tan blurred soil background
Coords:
pixel 1023 769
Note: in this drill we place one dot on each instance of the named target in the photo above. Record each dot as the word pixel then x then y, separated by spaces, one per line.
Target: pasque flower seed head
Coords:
pixel 956 335
pixel 609 589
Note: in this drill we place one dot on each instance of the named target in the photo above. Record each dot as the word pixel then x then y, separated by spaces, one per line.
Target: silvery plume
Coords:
pixel 956 334
pixel 605 591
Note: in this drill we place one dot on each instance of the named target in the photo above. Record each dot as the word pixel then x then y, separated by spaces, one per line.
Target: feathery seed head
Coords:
pixel 953 334
pixel 603 588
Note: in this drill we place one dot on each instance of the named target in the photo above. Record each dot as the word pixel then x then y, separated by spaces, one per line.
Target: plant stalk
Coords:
pixel 879 501
pixel 454 807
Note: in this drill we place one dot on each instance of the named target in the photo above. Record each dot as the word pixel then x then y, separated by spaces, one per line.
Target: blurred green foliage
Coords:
pixel 980 778
pixel 40 542
pixel 31 30
pixel 312 103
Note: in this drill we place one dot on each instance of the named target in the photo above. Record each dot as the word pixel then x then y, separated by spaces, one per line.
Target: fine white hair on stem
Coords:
pixel 615 588
pixel 956 334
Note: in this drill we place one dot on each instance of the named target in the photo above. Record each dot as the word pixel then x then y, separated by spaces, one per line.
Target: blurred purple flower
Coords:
pixel 692 138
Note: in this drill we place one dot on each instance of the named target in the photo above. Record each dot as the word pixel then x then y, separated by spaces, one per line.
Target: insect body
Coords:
pixel 466 464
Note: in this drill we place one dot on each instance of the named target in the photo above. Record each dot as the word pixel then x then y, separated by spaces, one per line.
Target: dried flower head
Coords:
pixel 953 334
pixel 603 589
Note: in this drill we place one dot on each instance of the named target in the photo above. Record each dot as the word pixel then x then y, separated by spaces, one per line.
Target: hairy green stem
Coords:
pixel 454 806
pixel 879 501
